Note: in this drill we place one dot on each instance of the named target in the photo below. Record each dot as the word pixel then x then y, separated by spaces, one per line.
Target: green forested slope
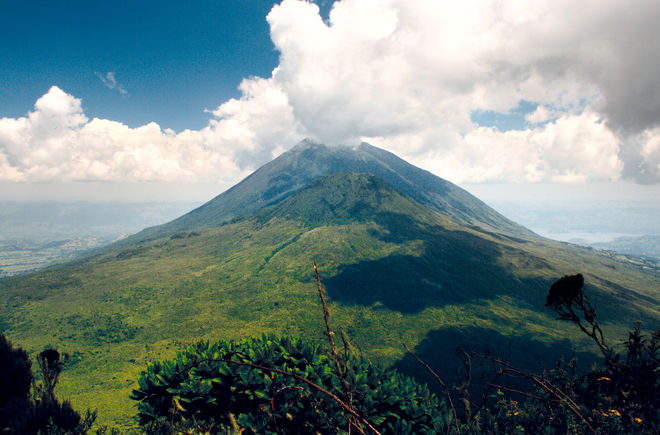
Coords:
pixel 395 272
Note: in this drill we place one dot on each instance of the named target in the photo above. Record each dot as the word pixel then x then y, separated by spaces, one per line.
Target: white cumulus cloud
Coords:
pixel 410 74
pixel 56 141
pixel 405 75
pixel 574 148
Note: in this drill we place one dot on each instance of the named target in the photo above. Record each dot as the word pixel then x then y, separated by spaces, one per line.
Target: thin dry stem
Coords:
pixel 331 338
pixel 442 384
pixel 513 390
pixel 560 395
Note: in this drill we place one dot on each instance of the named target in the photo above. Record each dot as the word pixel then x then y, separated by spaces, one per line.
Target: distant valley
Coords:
pixel 39 233
pixel 642 246
pixel 626 227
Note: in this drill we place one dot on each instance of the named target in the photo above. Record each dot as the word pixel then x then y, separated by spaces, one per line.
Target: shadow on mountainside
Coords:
pixel 439 350
pixel 454 267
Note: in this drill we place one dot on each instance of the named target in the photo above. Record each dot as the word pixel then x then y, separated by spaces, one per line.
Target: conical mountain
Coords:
pixel 308 160
pixel 396 271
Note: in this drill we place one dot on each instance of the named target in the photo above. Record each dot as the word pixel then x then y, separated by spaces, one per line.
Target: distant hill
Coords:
pixel 396 269
pixel 642 246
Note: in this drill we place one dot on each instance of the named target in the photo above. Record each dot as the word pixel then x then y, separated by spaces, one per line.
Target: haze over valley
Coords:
pixel 36 234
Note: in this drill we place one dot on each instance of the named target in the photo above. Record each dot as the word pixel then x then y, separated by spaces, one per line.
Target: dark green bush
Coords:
pixel 622 397
pixel 51 417
pixel 15 381
pixel 39 412
pixel 200 385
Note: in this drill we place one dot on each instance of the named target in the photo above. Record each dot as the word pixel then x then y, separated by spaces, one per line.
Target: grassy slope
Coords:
pixel 395 271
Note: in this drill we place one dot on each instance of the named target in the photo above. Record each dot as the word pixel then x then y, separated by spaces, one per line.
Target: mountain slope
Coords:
pixel 308 160
pixel 395 270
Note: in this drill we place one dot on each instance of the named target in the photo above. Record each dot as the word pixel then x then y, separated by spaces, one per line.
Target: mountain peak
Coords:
pixel 308 160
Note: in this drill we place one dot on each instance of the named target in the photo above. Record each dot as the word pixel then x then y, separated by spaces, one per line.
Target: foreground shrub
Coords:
pixel 256 385
pixel 40 412
pixel 621 395
pixel 15 381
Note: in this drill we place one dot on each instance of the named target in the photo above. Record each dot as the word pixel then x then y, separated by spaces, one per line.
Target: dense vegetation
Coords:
pixel 619 395
pixel 27 407
pixel 283 384
pixel 280 385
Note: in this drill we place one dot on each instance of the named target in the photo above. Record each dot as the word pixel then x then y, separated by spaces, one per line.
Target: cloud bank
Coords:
pixel 406 76
pixel 57 141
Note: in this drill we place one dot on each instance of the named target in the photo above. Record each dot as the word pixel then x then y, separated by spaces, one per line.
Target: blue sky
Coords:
pixel 172 60
pixel 172 99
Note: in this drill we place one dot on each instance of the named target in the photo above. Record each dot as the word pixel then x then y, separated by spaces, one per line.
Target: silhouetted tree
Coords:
pixel 41 413
pixel 51 366
pixel 15 381
pixel 565 291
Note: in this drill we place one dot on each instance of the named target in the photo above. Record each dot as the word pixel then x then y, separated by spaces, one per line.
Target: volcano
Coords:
pixel 308 160
pixel 406 257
